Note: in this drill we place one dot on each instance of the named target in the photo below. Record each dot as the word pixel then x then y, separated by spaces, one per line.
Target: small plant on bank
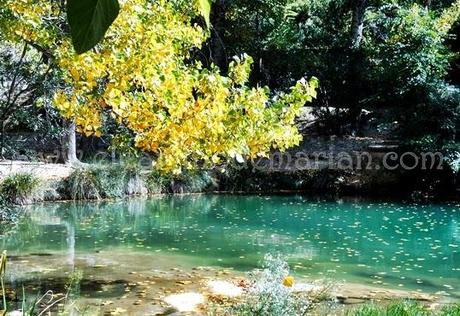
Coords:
pixel 192 182
pixel 156 183
pixel 82 185
pixel 101 181
pixel 135 182
pixel 188 182
pixel 20 188
pixel 450 310
pixel 271 293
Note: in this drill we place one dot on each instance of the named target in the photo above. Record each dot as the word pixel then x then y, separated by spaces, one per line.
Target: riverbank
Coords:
pixel 123 283
pixel 58 182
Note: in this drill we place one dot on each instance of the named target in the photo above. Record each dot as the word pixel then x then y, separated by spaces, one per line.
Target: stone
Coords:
pixel 184 282
pixel 185 302
pixel 224 288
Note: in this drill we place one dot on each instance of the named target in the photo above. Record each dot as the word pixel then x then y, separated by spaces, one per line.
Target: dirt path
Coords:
pixel 46 171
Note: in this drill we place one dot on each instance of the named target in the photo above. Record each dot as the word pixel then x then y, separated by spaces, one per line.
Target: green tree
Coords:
pixel 391 56
pixel 27 82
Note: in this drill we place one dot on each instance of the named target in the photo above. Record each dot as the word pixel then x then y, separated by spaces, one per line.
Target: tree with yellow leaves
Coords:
pixel 143 75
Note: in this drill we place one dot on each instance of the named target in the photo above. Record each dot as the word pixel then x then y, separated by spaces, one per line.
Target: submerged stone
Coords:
pixel 185 302
pixel 224 288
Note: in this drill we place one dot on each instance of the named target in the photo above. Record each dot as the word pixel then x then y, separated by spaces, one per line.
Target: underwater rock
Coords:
pixel 185 302
pixel 224 288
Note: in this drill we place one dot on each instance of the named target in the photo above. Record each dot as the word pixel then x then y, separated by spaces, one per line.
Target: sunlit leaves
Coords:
pixel 205 10
pixel 182 113
pixel 89 20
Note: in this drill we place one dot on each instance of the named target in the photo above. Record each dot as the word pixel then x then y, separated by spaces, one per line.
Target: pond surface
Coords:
pixel 409 247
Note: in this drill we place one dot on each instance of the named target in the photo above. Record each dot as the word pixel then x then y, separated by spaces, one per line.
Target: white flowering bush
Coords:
pixel 270 292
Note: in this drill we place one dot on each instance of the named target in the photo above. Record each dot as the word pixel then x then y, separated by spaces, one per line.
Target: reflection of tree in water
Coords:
pixel 108 222
pixel 455 228
pixel 222 229
pixel 20 234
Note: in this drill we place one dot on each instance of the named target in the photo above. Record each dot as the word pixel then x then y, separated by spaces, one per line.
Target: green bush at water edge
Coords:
pixel 20 188
pixel 100 181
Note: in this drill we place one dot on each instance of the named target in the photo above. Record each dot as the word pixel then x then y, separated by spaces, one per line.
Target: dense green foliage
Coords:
pixel 393 58
pixel 25 104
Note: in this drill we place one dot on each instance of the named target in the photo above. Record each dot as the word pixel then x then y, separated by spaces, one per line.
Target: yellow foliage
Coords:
pixel 449 17
pixel 141 75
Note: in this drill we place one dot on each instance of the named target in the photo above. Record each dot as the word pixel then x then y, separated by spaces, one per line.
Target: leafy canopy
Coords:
pixel 143 76
pixel 89 20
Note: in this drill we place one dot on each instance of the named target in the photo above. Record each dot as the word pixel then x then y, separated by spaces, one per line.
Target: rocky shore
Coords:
pixel 120 283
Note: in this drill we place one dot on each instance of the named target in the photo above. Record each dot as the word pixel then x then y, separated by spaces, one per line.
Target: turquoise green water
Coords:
pixel 385 244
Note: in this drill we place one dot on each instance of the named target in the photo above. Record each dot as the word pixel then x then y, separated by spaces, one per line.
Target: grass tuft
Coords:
pixel 82 184
pixel 104 181
pixel 20 188
pixel 403 308
pixel 100 181
pixel 450 310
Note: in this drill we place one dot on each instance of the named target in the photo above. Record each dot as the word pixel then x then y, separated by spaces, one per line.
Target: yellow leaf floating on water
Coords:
pixel 288 281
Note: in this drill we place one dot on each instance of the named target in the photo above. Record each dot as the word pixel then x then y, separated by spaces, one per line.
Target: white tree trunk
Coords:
pixel 71 144
pixel 357 26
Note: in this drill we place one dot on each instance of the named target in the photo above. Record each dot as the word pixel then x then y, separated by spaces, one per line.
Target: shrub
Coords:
pixel 268 295
pixel 192 182
pixel 135 183
pixel 120 180
pixel 110 180
pixel 82 185
pixel 106 181
pixel 156 183
pixel 96 182
pixel 20 188
pixel 187 182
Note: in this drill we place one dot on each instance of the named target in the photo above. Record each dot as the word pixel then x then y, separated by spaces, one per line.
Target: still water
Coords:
pixel 410 247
